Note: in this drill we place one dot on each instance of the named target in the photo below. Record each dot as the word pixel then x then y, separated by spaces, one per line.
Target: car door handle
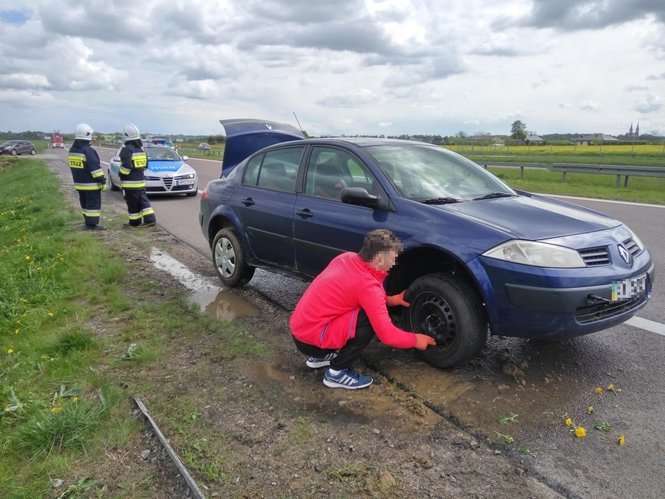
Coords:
pixel 305 213
pixel 248 201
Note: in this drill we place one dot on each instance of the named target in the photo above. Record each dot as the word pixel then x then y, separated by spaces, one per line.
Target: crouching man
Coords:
pixel 345 306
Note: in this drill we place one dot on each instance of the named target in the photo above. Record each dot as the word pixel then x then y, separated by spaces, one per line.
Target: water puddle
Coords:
pixel 220 303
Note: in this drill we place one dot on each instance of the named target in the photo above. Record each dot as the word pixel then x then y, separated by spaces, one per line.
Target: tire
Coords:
pixel 448 309
pixel 14 153
pixel 233 271
pixel 33 152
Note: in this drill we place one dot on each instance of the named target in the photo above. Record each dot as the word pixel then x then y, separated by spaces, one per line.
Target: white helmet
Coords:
pixel 131 132
pixel 83 132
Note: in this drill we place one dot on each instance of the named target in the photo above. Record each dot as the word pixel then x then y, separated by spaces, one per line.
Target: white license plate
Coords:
pixel 628 288
pixel 184 182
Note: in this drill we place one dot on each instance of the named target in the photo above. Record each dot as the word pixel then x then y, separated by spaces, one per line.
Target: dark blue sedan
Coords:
pixel 478 256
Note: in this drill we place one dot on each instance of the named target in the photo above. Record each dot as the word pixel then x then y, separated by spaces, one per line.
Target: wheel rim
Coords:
pixel 431 314
pixel 225 257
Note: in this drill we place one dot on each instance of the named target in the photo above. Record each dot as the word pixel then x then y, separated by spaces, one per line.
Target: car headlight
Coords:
pixel 536 254
pixel 189 175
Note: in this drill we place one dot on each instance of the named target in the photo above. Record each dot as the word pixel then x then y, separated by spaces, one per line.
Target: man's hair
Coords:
pixel 377 241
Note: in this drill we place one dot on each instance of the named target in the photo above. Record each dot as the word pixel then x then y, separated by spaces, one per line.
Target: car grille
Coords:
pixel 595 256
pixel 592 313
pixel 168 182
pixel 632 246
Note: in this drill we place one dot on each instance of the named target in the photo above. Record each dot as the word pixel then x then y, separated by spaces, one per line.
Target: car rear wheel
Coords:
pixel 229 259
pixel 449 310
pixel 14 152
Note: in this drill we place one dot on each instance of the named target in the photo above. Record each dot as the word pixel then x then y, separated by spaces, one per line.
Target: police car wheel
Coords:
pixel 229 259
pixel 449 309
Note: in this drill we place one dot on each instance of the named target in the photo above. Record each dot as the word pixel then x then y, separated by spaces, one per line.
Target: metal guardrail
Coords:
pixel 625 171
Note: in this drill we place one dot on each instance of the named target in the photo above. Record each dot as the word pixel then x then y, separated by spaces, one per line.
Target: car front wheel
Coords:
pixel 449 310
pixel 229 259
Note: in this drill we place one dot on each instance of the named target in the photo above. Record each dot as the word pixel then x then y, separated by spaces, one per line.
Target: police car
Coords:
pixel 167 172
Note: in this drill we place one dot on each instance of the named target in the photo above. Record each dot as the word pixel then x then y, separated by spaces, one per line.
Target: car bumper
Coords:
pixel 528 301
pixel 168 186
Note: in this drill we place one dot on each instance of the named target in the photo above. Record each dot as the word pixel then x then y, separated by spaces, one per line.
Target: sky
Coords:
pixel 345 67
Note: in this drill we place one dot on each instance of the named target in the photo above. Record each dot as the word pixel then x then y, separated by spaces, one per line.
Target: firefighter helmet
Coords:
pixel 131 132
pixel 83 132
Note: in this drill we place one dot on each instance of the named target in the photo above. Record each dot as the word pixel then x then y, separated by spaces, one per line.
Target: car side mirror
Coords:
pixel 185 158
pixel 359 196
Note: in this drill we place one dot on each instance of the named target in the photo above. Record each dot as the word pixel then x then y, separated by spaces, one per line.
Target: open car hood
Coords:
pixel 245 136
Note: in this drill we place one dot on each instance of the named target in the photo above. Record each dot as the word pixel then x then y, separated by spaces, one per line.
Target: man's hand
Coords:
pixel 423 341
pixel 397 299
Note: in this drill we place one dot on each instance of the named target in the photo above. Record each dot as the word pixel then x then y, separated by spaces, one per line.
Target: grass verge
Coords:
pixel 79 333
pixel 640 189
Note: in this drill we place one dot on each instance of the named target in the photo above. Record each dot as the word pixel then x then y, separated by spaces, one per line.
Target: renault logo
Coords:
pixel 624 254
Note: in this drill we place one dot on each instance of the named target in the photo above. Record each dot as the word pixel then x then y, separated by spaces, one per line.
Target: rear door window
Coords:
pixel 279 169
pixel 251 176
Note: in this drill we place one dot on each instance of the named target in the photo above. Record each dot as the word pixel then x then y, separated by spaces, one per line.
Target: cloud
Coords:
pixel 357 98
pixel 636 88
pixel 588 105
pixel 23 98
pixel 660 76
pixel 650 104
pixel 572 15
pixel 117 21
pixel 24 81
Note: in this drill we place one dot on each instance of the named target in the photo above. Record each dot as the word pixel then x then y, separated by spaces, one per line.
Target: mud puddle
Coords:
pixel 217 302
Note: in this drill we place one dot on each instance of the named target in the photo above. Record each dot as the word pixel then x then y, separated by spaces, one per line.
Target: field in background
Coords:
pixel 624 154
pixel 190 149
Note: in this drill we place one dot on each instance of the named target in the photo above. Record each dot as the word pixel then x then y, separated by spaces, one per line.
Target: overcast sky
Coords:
pixel 350 66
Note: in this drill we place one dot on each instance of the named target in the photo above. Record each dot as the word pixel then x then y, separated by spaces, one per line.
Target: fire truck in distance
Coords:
pixel 57 141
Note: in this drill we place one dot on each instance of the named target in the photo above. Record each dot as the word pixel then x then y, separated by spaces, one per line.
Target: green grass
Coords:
pixel 640 189
pixel 63 351
pixel 216 151
pixel 640 154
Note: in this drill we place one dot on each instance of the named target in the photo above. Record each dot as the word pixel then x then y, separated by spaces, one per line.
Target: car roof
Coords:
pixel 356 141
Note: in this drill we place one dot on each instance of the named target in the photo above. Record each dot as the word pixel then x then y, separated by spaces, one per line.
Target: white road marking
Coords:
pixel 647 325
pixel 628 203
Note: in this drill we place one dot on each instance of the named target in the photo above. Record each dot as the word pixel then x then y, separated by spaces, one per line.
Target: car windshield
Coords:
pixel 435 175
pixel 162 154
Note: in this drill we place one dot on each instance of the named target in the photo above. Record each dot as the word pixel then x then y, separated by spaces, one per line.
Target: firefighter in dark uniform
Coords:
pixel 133 162
pixel 89 179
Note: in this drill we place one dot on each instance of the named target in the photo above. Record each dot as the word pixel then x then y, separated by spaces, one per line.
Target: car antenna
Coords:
pixel 298 121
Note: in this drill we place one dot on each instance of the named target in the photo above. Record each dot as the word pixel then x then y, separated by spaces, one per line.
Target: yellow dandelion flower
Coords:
pixel 51 314
pixel 10 350
pixel 56 410
pixel 568 422
pixel 28 258
pixel 589 410
pixel 599 390
pixel 580 432
pixel 17 331
pixel 75 399
pixel 610 387
pixel 621 440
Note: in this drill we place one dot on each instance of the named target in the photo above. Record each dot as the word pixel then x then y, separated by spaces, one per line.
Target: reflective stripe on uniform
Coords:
pixel 94 186
pixel 139 160
pixel 76 160
pixel 133 184
pixel 92 213
pixel 147 211
pixel 134 216
pixel 97 173
pixel 125 171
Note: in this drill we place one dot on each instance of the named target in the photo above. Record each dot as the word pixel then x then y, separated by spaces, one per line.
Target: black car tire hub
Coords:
pixel 433 316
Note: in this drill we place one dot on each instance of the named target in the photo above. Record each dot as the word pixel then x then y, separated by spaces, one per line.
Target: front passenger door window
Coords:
pixel 331 170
